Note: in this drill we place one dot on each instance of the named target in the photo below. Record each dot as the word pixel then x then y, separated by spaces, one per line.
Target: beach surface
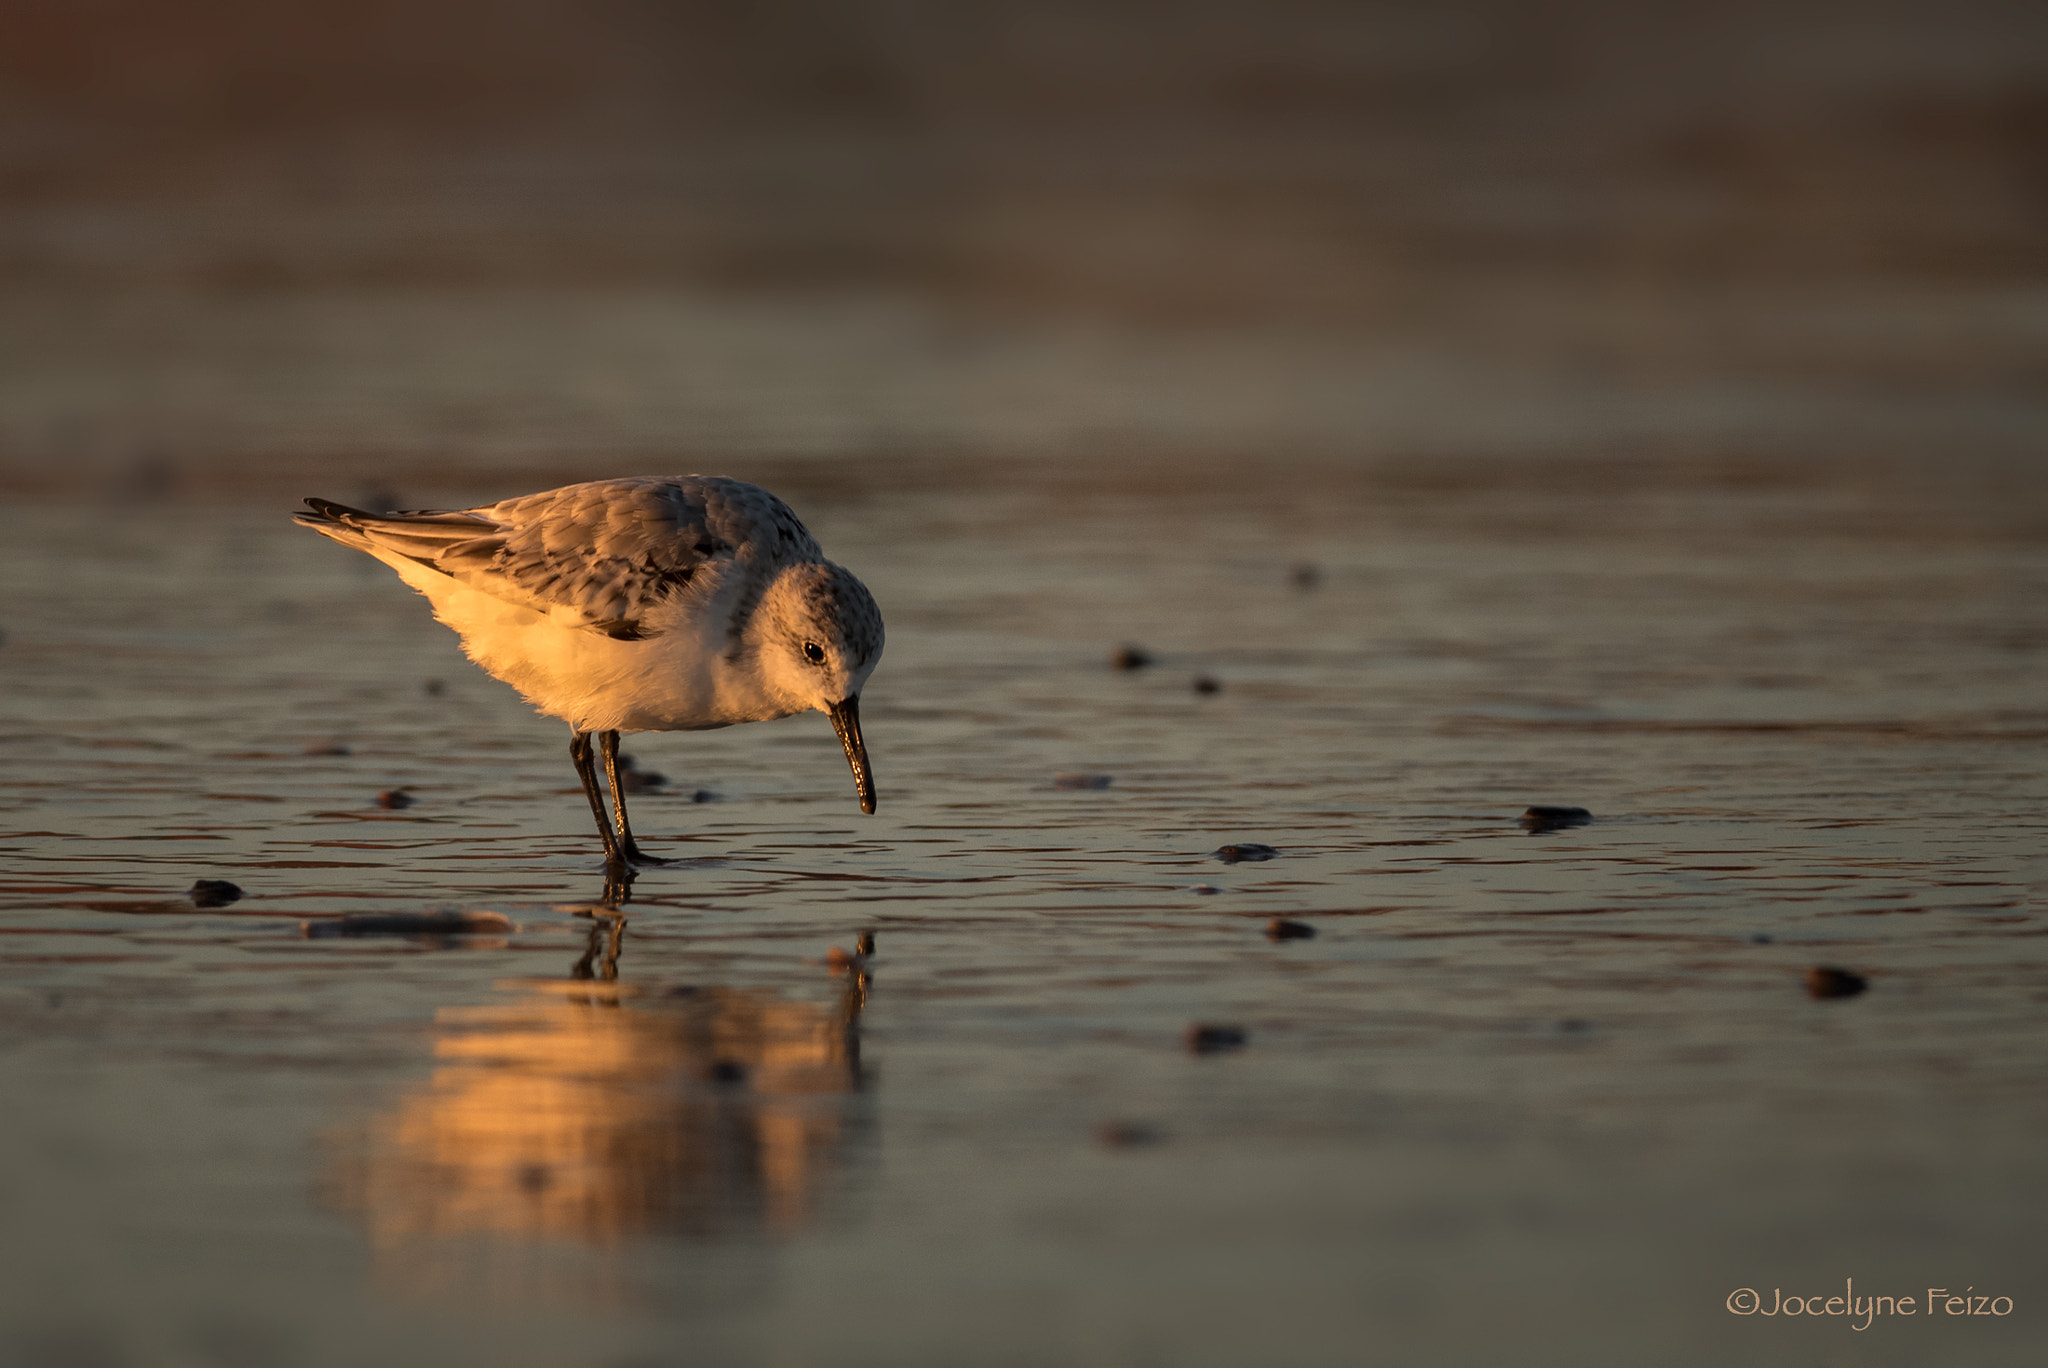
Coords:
pixel 1544 1094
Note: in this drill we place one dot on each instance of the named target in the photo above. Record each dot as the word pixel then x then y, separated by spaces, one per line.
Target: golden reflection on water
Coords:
pixel 582 1113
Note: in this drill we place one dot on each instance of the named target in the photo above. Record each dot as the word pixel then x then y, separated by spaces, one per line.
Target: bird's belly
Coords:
pixel 677 681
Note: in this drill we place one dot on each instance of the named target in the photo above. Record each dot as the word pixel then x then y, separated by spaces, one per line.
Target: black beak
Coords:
pixel 846 721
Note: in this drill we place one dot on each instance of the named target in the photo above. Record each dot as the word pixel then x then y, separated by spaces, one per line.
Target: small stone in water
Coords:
pixel 1208 684
pixel 704 796
pixel 1126 1134
pixel 394 799
pixel 1249 852
pixel 1130 658
pixel 633 779
pixel 1280 929
pixel 1543 817
pixel 214 893
pixel 1205 889
pixel 408 924
pixel 1823 981
pixel 1080 781
pixel 1206 1039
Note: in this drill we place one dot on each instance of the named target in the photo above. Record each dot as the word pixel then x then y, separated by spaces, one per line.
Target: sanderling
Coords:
pixel 640 605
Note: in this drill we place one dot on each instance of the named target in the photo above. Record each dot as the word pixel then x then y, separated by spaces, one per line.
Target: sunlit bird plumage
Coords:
pixel 656 604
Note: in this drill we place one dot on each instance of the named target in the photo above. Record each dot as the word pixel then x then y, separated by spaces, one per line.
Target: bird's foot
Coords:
pixel 636 856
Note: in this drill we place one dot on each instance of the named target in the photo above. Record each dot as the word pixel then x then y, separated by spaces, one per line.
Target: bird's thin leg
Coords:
pixel 586 770
pixel 608 742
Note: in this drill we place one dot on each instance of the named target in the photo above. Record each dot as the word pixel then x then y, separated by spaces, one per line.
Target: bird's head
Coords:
pixel 818 635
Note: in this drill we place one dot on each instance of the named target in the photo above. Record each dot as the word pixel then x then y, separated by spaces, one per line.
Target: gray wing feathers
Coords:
pixel 596 555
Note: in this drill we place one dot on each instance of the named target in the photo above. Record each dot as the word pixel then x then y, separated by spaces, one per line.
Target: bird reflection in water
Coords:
pixel 586 1114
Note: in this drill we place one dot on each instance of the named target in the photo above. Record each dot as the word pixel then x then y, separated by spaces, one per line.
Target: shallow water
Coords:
pixel 1548 1097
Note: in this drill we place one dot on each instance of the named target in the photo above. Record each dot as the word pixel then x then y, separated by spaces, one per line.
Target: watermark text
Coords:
pixel 1862 1310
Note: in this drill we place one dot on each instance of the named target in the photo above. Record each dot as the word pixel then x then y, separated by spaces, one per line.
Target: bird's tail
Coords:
pixel 424 537
pixel 331 519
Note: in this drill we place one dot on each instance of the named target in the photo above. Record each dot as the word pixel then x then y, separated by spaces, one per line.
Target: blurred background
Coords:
pixel 483 245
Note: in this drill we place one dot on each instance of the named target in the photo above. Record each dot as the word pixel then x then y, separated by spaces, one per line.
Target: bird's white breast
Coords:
pixel 680 678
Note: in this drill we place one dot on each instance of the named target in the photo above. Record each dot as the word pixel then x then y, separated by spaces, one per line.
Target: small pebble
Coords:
pixel 408 924
pixel 704 796
pixel 1208 684
pixel 1280 929
pixel 323 748
pixel 1130 658
pixel 436 687
pixel 1080 781
pixel 1206 1039
pixel 1305 575
pixel 214 893
pixel 395 799
pixel 1249 852
pixel 633 779
pixel 1823 981
pixel 1126 1134
pixel 1206 890
pixel 1546 818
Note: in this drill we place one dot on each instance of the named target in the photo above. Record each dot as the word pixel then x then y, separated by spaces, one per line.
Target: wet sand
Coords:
pixel 1538 1096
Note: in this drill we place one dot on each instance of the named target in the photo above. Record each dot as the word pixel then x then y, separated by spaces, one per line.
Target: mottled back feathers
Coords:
pixel 595 555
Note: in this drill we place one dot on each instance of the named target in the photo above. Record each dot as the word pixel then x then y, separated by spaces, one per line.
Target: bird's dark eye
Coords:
pixel 814 652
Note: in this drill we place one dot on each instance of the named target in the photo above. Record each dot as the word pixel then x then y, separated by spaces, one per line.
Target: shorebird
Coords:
pixel 657 604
